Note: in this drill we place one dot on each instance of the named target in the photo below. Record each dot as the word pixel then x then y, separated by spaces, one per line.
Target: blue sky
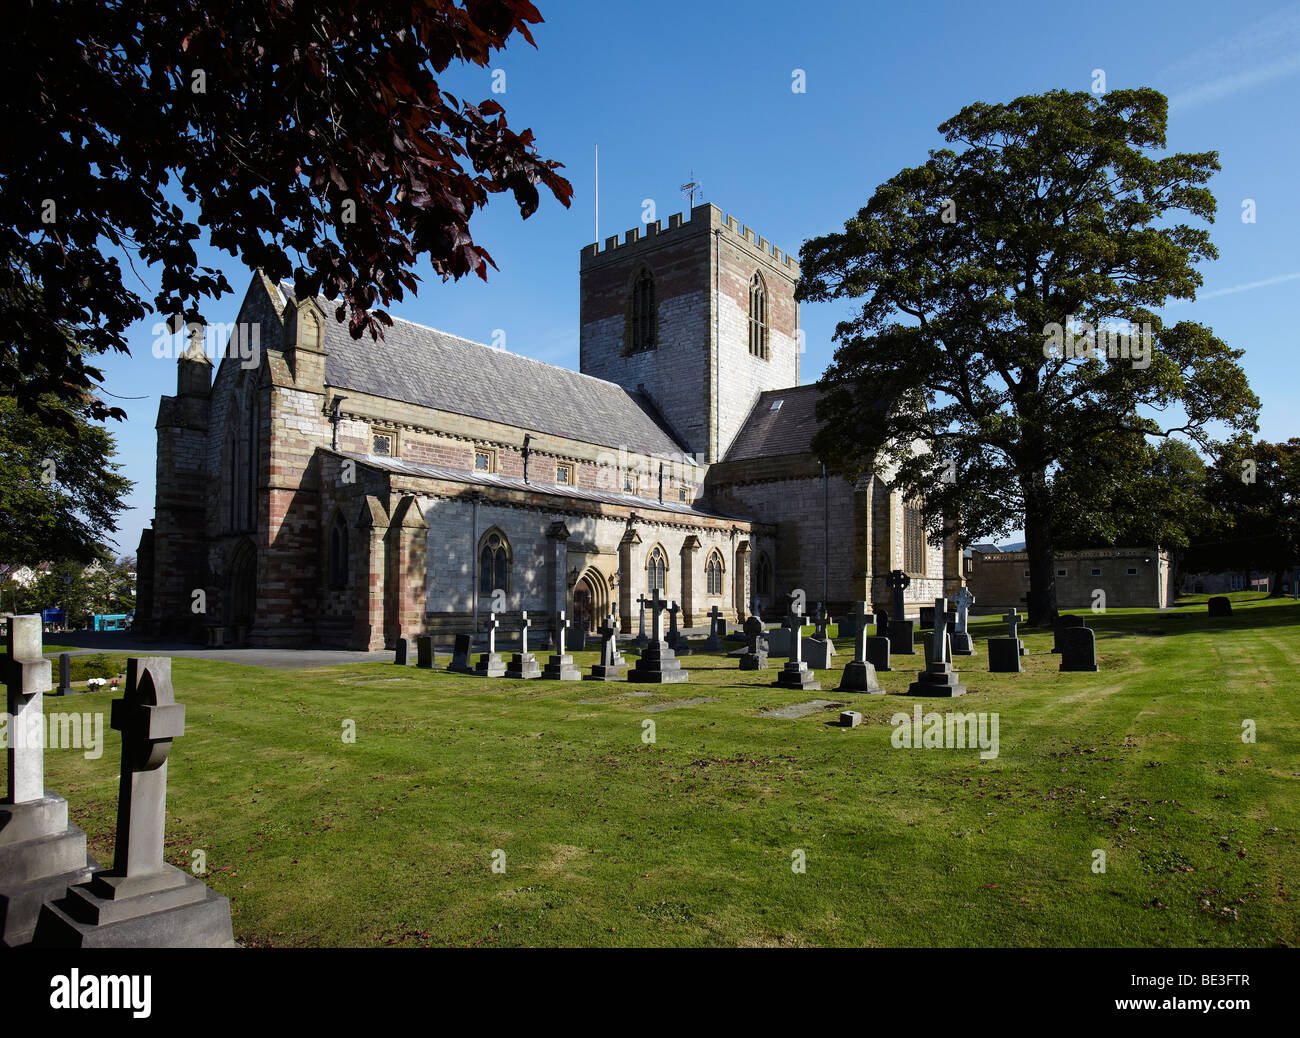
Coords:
pixel 674 88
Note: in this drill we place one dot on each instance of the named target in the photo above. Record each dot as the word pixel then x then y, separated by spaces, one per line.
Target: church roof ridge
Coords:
pixel 473 342
pixel 429 367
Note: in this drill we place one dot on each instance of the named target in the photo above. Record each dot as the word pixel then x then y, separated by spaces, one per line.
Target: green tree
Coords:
pixel 984 275
pixel 1254 488
pixel 59 484
pixel 310 139
pixel 1132 494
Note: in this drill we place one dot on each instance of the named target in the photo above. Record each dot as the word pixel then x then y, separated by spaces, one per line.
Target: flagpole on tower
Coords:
pixel 596 193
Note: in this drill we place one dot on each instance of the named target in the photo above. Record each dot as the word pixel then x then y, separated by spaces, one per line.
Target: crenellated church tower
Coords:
pixel 700 316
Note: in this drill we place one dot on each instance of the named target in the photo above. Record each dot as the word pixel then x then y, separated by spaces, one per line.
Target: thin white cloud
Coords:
pixel 1260 53
pixel 1238 288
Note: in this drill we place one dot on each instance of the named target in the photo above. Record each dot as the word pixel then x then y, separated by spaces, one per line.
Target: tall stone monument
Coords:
pixel 610 666
pixel 859 673
pixel 141 902
pixel 795 673
pixel 938 678
pixel 658 663
pixel 523 664
pixel 560 666
pixel 902 632
pixel 962 645
pixel 490 664
pixel 41 853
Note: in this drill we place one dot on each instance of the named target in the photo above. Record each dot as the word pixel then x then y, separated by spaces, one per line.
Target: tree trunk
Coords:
pixel 1275 591
pixel 1038 548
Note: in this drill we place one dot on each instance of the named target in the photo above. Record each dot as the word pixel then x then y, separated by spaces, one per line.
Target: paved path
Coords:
pixel 276 659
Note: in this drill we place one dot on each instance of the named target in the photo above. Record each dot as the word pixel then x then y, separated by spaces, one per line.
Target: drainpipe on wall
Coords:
pixel 826 539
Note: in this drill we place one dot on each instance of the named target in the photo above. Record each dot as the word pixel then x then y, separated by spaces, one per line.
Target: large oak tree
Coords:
pixel 309 138
pixel 1057 209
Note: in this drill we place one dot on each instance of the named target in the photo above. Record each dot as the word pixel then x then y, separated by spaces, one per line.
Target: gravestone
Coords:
pixel 819 650
pixel 1004 656
pixel 962 644
pixel 560 666
pixel 850 718
pixel 65 675
pixel 399 657
pixel 641 640
pixel 141 902
pixel 755 655
pixel 795 673
pixel 938 678
pixel 676 640
pixel 860 673
pixel 717 628
pixel 1063 623
pixel 902 633
pixel 1219 606
pixel 926 622
pixel 41 854
pixel 523 664
pixel 779 639
pixel 460 655
pixel 658 663
pixel 490 664
pixel 878 646
pixel 424 651
pixel 1013 630
pixel 611 664
pixel 1005 653
pixel 1079 649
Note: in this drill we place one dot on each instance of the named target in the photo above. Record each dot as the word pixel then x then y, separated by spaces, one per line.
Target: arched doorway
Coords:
pixel 591 602
pixel 241 592
pixel 583 607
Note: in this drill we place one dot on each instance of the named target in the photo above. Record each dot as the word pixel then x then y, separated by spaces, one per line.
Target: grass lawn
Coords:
pixel 610 840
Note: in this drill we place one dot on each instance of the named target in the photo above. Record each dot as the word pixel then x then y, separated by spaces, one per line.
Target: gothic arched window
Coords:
pixel 758 316
pixel 339 567
pixel 642 315
pixel 656 570
pixel 913 540
pixel 493 563
pixel 763 575
pixel 713 574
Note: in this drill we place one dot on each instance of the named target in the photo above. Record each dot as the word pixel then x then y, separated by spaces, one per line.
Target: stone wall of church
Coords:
pixel 676 373
pixel 702 269
pixel 742 376
pixel 797 505
pixel 544 567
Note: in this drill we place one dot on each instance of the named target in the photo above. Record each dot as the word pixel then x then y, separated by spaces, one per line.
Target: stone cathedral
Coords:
pixel 346 492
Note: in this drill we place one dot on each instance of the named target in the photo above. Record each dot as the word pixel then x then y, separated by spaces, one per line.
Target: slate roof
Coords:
pixel 788 429
pixel 401 466
pixel 424 366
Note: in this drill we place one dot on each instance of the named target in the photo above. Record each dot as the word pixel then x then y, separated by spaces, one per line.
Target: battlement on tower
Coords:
pixel 703 218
